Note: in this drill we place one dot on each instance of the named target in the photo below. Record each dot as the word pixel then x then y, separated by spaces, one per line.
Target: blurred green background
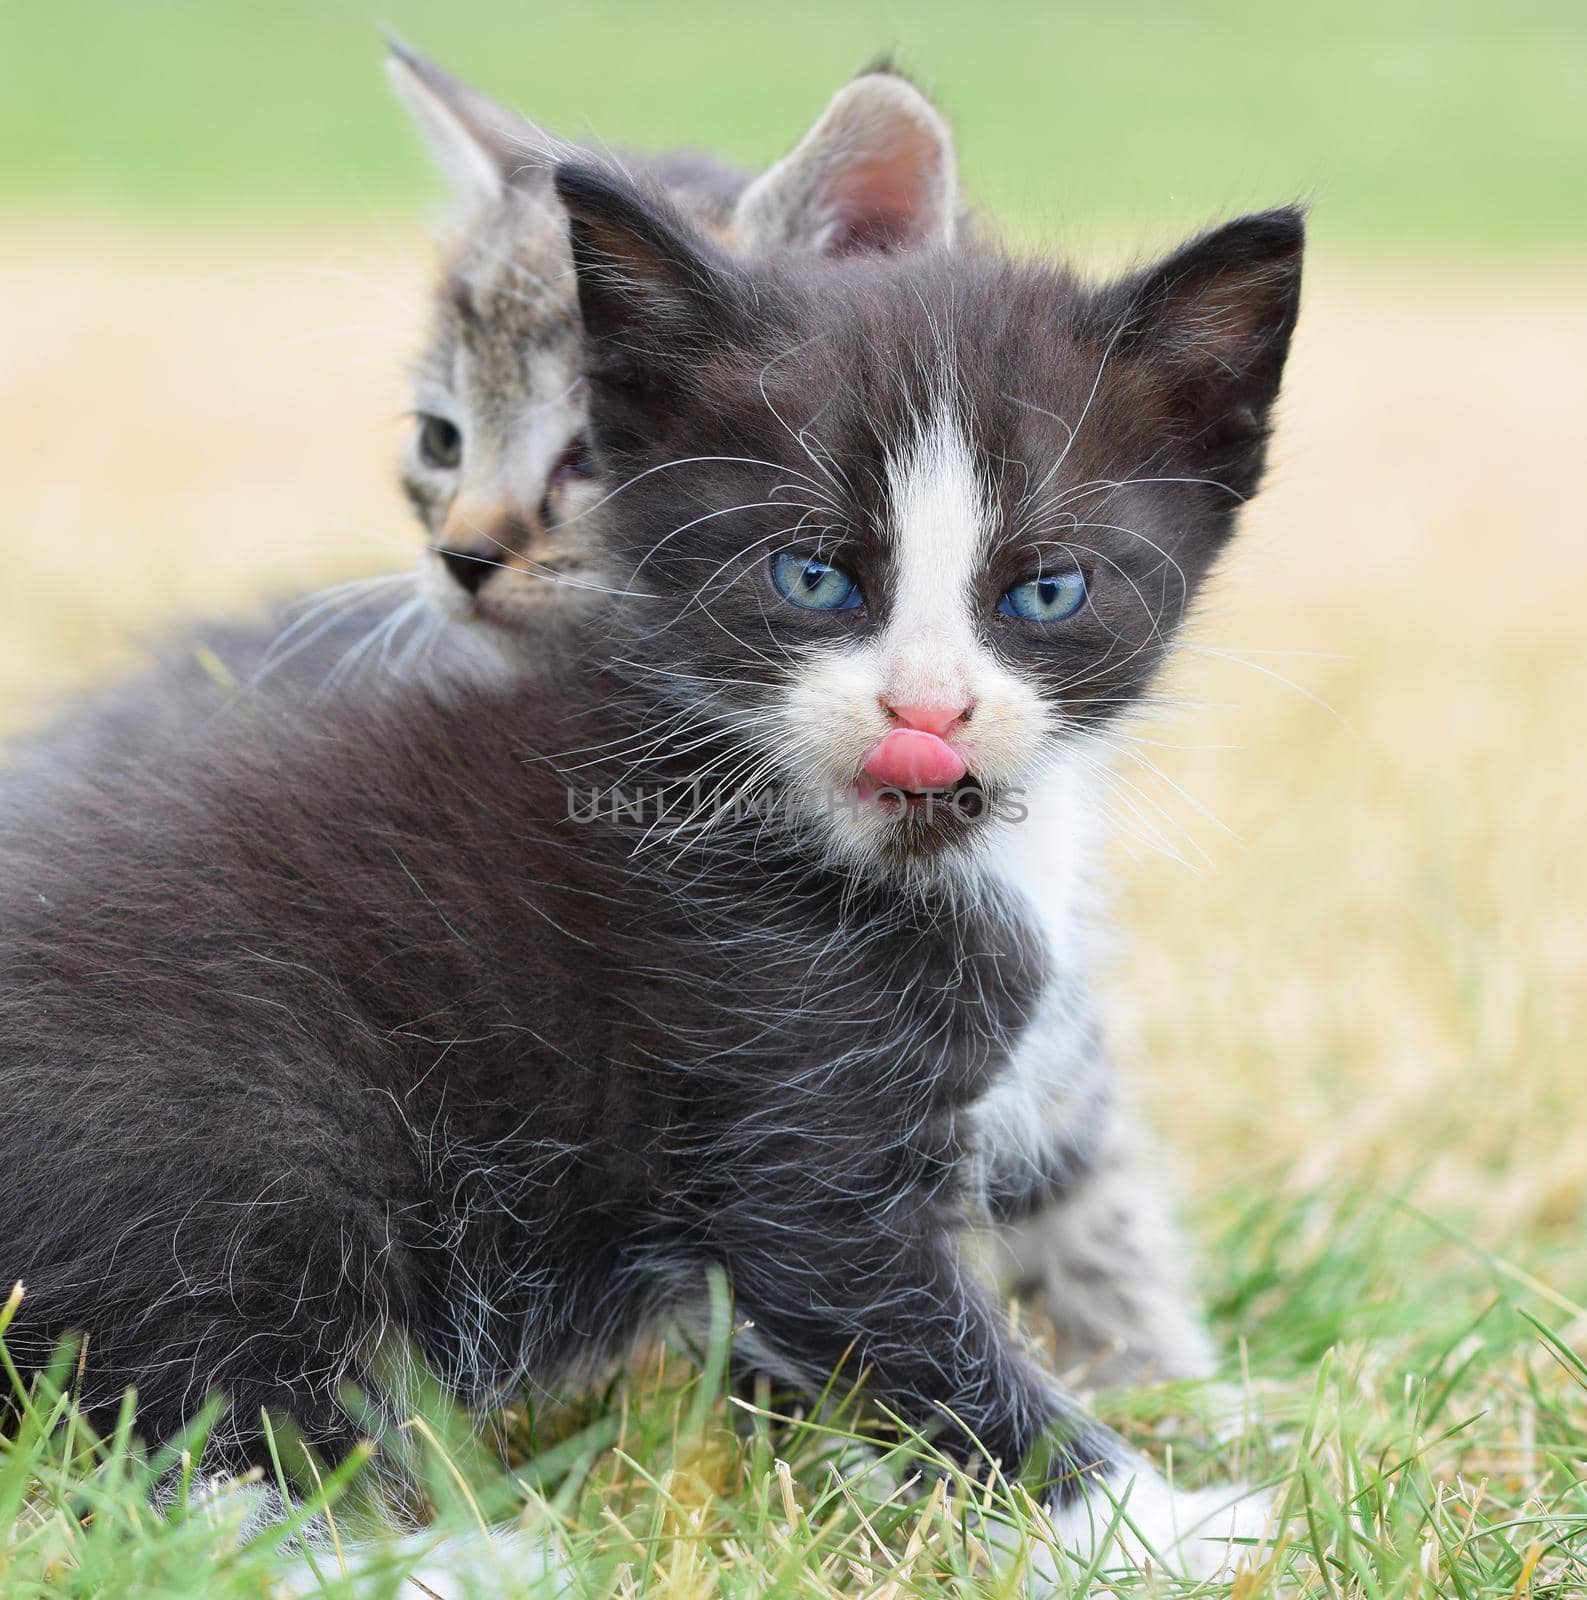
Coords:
pixel 1413 125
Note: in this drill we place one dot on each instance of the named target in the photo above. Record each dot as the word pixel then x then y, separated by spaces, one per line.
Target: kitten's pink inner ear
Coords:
pixel 876 172
pixel 891 200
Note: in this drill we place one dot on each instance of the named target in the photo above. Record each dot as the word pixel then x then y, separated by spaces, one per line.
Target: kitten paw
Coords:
pixel 502 1564
pixel 1139 1522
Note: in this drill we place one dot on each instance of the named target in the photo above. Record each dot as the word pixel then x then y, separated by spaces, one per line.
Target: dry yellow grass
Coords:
pixel 1369 971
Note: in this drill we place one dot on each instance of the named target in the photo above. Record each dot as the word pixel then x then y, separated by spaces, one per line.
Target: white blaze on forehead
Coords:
pixel 940 523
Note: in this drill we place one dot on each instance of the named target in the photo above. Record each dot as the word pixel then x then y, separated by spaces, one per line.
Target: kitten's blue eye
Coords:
pixel 814 584
pixel 1045 599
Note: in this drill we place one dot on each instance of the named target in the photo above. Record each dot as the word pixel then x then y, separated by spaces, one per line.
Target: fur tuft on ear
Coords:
pixel 1214 321
pixel 479 146
pixel 876 172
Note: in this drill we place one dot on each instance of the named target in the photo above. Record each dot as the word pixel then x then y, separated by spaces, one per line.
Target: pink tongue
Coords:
pixel 912 760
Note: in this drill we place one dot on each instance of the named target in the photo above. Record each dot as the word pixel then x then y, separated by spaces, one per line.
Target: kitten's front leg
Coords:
pixel 896 1304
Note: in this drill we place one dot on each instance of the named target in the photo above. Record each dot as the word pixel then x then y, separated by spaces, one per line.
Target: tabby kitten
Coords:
pixel 498 466
pixel 348 1033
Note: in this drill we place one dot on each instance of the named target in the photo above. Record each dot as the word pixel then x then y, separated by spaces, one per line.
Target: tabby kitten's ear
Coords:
pixel 480 147
pixel 657 302
pixel 876 172
pixel 1213 322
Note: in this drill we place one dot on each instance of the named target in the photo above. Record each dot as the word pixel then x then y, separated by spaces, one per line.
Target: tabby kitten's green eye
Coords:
pixel 440 443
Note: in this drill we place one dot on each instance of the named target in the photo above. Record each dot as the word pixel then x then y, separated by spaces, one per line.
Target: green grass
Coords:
pixel 1422 1443
pixel 1414 124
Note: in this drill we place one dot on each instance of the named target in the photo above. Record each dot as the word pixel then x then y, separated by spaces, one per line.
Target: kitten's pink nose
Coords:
pixel 913 760
pixel 935 718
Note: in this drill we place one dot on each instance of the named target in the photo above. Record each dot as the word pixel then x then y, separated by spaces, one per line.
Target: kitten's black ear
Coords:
pixel 1214 320
pixel 479 146
pixel 656 300
pixel 876 172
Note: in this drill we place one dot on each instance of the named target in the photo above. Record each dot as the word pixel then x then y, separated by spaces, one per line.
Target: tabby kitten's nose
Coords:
pixel 469 571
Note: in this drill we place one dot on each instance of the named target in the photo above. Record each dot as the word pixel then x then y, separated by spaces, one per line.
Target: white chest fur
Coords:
pixel 1045 864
